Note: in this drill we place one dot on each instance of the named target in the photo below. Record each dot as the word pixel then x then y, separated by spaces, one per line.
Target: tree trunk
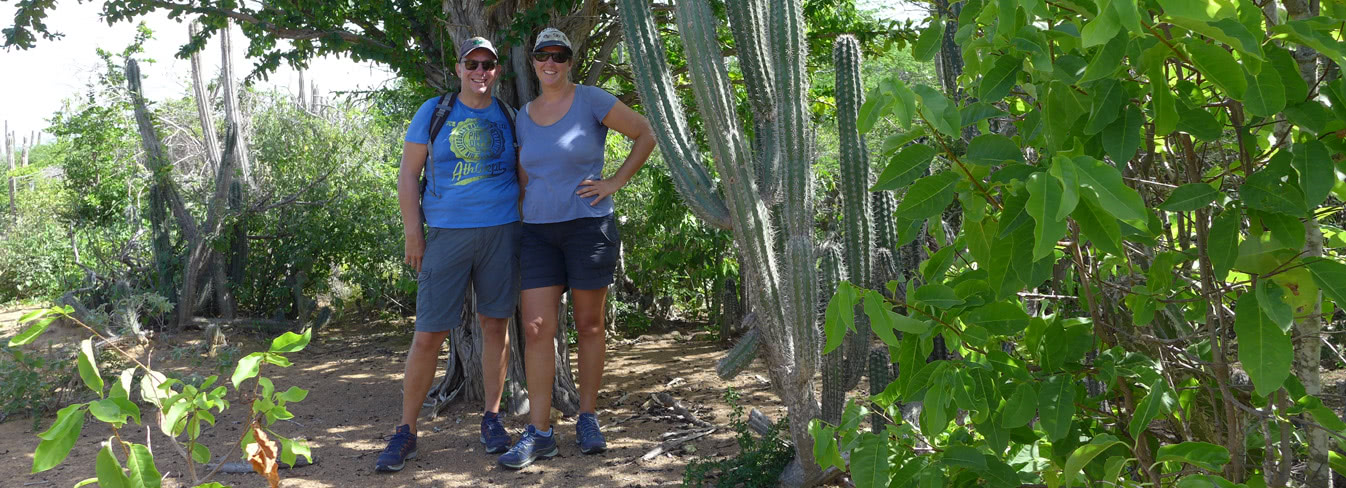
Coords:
pixel 208 137
pixel 9 156
pixel 231 106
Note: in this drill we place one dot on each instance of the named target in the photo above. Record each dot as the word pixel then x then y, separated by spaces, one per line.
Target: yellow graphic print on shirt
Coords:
pixel 478 144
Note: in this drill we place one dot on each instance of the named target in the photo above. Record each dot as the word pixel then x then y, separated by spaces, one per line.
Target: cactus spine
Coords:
pixel 830 274
pixel 854 198
pixel 880 374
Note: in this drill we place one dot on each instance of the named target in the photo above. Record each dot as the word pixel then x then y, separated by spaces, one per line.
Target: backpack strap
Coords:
pixel 510 115
pixel 437 120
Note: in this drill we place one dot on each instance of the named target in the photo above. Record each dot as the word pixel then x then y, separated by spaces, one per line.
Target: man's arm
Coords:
pixel 409 201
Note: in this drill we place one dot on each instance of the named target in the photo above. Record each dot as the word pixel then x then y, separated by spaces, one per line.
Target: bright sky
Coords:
pixel 34 83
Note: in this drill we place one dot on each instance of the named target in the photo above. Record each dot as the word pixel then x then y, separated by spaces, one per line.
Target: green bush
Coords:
pixel 759 462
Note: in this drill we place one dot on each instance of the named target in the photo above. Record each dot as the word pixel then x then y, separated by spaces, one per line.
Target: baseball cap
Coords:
pixel 477 43
pixel 552 37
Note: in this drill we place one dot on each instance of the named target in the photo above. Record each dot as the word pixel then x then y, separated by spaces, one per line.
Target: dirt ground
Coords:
pixel 353 371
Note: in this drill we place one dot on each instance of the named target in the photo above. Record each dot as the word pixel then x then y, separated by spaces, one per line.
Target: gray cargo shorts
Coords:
pixel 486 257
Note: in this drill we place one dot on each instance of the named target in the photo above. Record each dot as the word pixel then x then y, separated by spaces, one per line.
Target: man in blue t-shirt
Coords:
pixel 469 200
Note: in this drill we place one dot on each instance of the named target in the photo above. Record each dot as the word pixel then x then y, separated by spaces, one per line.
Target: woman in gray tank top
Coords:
pixel 569 237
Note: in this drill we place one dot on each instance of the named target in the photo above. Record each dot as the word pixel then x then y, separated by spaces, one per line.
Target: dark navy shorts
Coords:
pixel 581 253
pixel 486 257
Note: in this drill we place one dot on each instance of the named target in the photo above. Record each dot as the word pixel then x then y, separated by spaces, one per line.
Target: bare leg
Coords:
pixel 420 371
pixel 495 339
pixel 539 328
pixel 590 323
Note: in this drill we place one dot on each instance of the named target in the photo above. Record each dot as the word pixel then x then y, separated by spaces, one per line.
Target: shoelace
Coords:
pixel 496 428
pixel 400 442
pixel 525 442
pixel 589 429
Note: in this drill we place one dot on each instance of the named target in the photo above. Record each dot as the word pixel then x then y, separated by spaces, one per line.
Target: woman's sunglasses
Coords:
pixel 471 65
pixel 543 56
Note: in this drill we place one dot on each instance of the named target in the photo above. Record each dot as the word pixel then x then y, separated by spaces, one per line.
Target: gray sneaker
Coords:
pixel 588 436
pixel 530 447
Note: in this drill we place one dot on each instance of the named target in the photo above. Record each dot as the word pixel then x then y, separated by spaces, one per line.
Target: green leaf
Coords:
pixel 881 317
pixel 1106 62
pixel 875 106
pixel 825 445
pixel 1118 199
pixel 1044 198
pixel 1313 164
pixel 1056 406
pixel 201 453
pixel 1266 93
pixel 840 316
pixel 869 462
pixel 1330 276
pixel 1200 454
pixel 904 107
pixel 1189 197
pixel 1283 63
pixel 1158 402
pixel 1108 102
pixel 965 457
pixel 294 394
pixel 998 82
pixel 1122 137
pixel 291 342
pixel 114 410
pixel 936 295
pixel 992 149
pixel 928 196
pixel 1219 67
pixel 1162 103
pixel 59 438
pixel 1286 230
pixel 1062 110
pixel 1103 28
pixel 1085 454
pixel 1128 15
pixel 999 318
pixel 1199 123
pixel 1264 190
pixel 1098 225
pixel 141 466
pixel 1264 349
pixel 1020 408
pixel 1064 171
pixel 40 324
pixel 941 113
pixel 88 368
pixel 929 41
pixel 905 167
pixel 1223 240
pixel 247 368
pixel 109 471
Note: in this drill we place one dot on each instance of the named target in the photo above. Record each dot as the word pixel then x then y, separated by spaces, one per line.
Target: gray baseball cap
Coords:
pixel 552 37
pixel 477 43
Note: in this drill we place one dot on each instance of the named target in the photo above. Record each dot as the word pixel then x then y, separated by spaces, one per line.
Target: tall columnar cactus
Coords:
pixel 783 277
pixel 854 194
pixel 880 374
pixel 831 273
pixel 882 206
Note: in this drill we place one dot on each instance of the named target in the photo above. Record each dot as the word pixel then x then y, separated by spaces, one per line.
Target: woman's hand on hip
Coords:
pixel 598 189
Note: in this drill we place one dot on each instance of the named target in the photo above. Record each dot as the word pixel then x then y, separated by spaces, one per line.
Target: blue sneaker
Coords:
pixel 493 434
pixel 530 447
pixel 401 448
pixel 587 435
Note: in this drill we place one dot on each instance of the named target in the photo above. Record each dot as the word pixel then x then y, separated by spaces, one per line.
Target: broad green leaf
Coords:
pixel 1286 230
pixel 929 41
pixel 1098 225
pixel 1264 350
pixel 1118 199
pixel 1021 407
pixel 998 82
pixel 1016 250
pixel 1056 406
pixel 869 462
pixel 1102 29
pixel 1044 198
pixel 1007 18
pixel 1200 454
pixel 825 445
pixel 1159 401
pixel 1062 110
pixel 114 410
pixel 1219 67
pixel 992 149
pixel 840 316
pixel 1199 123
pixel 1189 197
pixel 881 317
pixel 928 196
pixel 109 471
pixel 1128 15
pixel 999 318
pixel 1162 103
pixel 875 106
pixel 59 438
pixel 1262 254
pixel 247 368
pixel 150 388
pixel 88 368
pixel 1086 453
pixel 1108 100
pixel 1122 137
pixel 1283 64
pixel 1266 93
pixel 1112 469
pixel 1223 240
pixel 905 167
pixel 121 388
pixel 998 474
pixel 1302 32
pixel 1330 276
pixel 965 457
pixel 937 109
pixel 1064 171
pixel 1322 414
pixel 1237 36
pixel 1264 190
pixel 1313 164
pixel 937 295
pixel 201 453
pixel 1107 61
pixel 291 342
pixel 40 323
pixel 294 394
pixel 141 466
pixel 904 107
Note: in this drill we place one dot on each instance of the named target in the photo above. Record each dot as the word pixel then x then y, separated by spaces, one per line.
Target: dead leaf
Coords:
pixel 262 455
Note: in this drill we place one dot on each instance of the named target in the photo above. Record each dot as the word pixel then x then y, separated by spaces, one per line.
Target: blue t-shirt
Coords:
pixel 472 181
pixel 559 156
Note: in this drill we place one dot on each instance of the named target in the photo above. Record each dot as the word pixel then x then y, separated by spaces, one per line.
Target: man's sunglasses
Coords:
pixel 471 65
pixel 543 56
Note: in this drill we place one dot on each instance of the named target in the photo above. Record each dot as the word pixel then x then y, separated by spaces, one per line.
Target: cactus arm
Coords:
pixel 744 351
pixel 830 273
pixel 794 135
pixel 854 194
pixel 880 374
pixel 748 24
pixel 665 112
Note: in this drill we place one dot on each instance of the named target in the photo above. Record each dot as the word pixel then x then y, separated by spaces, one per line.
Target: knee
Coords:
pixel 423 343
pixel 590 325
pixel 536 328
pixel 494 327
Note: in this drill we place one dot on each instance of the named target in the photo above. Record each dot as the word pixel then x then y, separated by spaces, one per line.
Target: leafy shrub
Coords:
pixel 759 462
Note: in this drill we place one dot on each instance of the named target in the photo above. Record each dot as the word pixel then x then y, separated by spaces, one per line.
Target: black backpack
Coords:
pixel 441 116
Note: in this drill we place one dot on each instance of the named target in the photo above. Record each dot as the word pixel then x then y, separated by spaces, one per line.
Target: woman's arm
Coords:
pixel 409 201
pixel 634 126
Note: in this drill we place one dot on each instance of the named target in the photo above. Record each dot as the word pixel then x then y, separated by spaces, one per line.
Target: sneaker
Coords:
pixel 401 448
pixel 587 435
pixel 530 447
pixel 493 434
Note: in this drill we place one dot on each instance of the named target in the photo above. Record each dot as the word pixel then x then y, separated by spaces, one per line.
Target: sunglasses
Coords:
pixel 543 56
pixel 471 65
